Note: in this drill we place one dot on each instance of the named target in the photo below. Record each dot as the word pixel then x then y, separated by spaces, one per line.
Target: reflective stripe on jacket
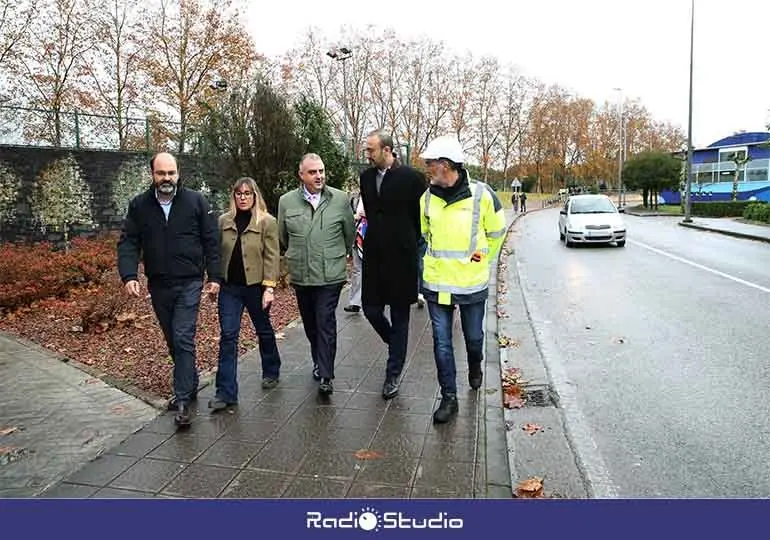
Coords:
pixel 463 238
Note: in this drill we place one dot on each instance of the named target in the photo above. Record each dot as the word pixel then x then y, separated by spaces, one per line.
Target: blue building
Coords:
pixel 713 170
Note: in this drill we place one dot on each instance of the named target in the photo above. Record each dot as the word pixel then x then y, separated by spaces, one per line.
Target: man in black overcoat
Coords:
pixel 391 195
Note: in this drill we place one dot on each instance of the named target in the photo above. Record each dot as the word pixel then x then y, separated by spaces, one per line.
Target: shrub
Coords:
pixel 33 272
pixel 757 211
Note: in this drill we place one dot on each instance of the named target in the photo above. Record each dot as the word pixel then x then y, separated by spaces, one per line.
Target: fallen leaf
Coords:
pixel 76 328
pixel 508 425
pixel 513 402
pixel 126 317
pixel 280 335
pixel 506 342
pixel 531 488
pixel 119 409
pixel 129 350
pixel 366 454
pixel 8 430
pixel 619 340
pixel 532 428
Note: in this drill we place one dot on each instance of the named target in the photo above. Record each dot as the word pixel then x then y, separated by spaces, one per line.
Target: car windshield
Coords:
pixel 594 205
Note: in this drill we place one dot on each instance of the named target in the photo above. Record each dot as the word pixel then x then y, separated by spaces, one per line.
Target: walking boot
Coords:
pixel 446 410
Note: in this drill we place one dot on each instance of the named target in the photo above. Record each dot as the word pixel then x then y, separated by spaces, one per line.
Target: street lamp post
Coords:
pixel 688 168
pixel 341 54
pixel 620 144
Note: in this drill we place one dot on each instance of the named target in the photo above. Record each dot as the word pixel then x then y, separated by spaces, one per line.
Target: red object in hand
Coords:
pixel 476 257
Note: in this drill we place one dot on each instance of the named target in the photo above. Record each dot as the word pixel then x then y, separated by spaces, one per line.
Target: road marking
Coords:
pixel 701 267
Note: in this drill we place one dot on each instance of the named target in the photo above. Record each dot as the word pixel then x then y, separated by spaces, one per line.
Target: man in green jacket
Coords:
pixel 315 227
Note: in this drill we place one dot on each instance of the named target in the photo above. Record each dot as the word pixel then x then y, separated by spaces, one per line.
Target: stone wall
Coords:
pixel 37 183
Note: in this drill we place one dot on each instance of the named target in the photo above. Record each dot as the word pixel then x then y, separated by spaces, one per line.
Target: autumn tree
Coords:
pixel 15 20
pixel 49 61
pixel 251 133
pixel 192 44
pixel 113 65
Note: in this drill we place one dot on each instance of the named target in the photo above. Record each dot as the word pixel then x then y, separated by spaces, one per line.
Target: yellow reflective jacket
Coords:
pixel 464 233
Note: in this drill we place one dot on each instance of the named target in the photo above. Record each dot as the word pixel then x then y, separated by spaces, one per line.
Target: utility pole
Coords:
pixel 620 144
pixel 688 168
pixel 341 54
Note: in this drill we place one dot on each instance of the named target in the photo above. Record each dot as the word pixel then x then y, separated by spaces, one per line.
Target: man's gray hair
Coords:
pixel 309 155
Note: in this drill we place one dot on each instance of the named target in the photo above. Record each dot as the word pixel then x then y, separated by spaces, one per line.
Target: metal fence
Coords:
pixel 23 126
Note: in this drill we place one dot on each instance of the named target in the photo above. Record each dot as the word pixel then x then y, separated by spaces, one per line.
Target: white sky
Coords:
pixel 588 46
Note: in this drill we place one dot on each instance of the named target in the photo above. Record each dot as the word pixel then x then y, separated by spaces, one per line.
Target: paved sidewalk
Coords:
pixel 55 417
pixel 731 227
pixel 289 442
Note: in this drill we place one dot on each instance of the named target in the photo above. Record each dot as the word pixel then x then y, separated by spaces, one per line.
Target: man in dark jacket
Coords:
pixel 175 232
pixel 391 195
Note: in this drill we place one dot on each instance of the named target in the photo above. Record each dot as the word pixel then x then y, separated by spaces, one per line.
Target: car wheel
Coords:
pixel 561 235
pixel 621 243
pixel 569 243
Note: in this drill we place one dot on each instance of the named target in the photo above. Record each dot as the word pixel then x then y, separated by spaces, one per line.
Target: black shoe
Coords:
pixel 326 387
pixel 475 376
pixel 173 405
pixel 183 416
pixel 217 404
pixel 390 389
pixel 316 373
pixel 446 410
pixel 352 308
pixel 269 382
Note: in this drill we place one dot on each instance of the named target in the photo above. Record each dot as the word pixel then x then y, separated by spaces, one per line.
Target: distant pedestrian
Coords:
pixel 173 231
pixel 315 226
pixel 523 198
pixel 515 201
pixel 250 266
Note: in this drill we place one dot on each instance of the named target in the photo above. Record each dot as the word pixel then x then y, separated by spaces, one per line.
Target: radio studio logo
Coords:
pixel 370 519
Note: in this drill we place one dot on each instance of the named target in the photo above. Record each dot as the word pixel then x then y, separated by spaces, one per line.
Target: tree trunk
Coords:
pixel 645 192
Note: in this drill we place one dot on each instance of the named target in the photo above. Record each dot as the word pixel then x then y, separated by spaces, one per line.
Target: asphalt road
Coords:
pixel 660 354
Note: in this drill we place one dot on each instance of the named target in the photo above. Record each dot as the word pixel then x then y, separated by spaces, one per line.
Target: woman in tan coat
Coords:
pixel 250 263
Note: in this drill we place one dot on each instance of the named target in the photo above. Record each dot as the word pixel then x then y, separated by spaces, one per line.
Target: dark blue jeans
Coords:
pixel 471 320
pixel 395 333
pixel 176 306
pixel 317 307
pixel 232 301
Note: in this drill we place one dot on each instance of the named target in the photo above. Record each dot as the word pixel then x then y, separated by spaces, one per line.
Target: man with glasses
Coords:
pixel 174 232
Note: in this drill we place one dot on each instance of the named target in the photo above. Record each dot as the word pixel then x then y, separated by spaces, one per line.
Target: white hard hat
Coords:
pixel 445 147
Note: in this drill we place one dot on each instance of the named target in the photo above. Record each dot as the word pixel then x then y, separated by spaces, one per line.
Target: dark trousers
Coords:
pixel 471 321
pixel 317 307
pixel 176 307
pixel 394 332
pixel 422 247
pixel 232 301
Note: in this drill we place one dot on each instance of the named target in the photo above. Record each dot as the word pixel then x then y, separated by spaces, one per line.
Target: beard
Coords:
pixel 166 188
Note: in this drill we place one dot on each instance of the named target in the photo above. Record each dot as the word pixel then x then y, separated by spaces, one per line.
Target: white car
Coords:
pixel 591 219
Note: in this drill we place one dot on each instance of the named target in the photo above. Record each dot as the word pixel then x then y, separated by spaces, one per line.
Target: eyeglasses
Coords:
pixel 242 194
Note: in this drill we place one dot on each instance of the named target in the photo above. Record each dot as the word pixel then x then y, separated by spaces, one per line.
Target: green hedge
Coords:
pixel 720 208
pixel 757 211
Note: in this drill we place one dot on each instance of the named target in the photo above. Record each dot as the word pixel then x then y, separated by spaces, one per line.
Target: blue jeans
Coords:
pixel 232 301
pixel 471 320
pixel 176 306
pixel 422 247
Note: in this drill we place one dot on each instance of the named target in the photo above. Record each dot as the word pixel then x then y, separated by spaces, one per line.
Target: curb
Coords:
pixel 651 214
pixel 734 234
pixel 559 462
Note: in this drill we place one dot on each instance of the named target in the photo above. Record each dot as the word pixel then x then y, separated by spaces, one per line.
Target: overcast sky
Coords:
pixel 588 46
